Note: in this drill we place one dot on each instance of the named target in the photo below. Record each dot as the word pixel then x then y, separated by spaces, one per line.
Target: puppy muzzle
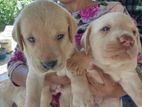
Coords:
pixel 49 64
pixel 126 41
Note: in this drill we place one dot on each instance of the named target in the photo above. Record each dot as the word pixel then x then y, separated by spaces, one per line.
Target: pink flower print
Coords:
pixel 18 56
pixel 140 59
pixel 78 39
pixel 89 13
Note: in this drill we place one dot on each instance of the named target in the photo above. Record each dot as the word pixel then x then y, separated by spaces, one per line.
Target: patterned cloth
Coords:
pixel 18 56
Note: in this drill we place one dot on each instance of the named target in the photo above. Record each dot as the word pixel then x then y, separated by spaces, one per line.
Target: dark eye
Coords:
pixel 31 39
pixel 105 29
pixel 60 36
pixel 134 32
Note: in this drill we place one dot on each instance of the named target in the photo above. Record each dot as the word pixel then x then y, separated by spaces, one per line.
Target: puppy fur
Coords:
pixel 10 94
pixel 44 32
pixel 113 41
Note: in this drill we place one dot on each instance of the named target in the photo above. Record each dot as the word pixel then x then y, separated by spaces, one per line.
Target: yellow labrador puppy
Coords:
pixel 44 32
pixel 113 41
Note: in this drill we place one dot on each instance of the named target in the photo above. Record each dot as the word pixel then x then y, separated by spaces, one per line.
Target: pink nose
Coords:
pixel 126 41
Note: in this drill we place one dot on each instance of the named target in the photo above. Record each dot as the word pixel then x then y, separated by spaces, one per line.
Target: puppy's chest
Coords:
pixel 116 75
pixel 95 75
pixel 98 76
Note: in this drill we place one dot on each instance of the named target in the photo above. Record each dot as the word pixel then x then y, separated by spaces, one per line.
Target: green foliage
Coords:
pixel 9 10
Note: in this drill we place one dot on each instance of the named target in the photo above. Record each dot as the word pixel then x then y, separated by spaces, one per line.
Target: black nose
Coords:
pixel 49 64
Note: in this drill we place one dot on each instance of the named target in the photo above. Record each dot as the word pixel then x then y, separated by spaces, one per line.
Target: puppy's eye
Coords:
pixel 105 29
pixel 134 32
pixel 60 37
pixel 31 39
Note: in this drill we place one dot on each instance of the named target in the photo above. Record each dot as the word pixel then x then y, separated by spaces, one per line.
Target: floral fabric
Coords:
pixel 17 56
pixel 84 17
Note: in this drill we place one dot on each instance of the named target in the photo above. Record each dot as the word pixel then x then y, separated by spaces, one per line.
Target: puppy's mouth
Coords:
pixel 119 53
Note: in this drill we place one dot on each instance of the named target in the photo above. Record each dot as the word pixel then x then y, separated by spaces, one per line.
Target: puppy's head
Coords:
pixel 44 31
pixel 113 40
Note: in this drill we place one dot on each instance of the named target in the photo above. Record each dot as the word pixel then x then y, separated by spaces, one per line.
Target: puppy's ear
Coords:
pixel 16 33
pixel 139 42
pixel 72 28
pixel 85 42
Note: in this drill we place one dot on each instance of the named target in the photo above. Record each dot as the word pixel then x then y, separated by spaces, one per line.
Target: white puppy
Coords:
pixel 113 41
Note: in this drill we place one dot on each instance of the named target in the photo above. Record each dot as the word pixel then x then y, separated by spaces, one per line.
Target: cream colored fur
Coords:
pixel 104 40
pixel 10 94
pixel 39 31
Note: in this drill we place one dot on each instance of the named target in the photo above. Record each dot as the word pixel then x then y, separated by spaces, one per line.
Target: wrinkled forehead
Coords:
pixel 114 20
pixel 47 24
pixel 44 19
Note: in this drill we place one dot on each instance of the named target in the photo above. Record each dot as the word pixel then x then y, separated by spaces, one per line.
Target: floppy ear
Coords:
pixel 138 34
pixel 72 28
pixel 16 33
pixel 139 42
pixel 85 40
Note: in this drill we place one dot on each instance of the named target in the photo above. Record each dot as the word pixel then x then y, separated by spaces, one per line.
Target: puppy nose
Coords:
pixel 49 64
pixel 126 41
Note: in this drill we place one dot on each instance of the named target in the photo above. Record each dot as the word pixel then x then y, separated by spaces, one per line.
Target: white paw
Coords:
pixel 82 100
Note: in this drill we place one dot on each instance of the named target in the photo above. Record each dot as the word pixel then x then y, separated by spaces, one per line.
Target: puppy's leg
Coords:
pixel 46 97
pixel 110 102
pixel 19 99
pixel 81 93
pixel 66 97
pixel 5 101
pixel 33 91
pixel 132 84
pixel 6 94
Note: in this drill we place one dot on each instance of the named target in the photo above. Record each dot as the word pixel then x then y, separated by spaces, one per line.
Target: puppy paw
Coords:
pixel 79 63
pixel 76 69
pixel 83 100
